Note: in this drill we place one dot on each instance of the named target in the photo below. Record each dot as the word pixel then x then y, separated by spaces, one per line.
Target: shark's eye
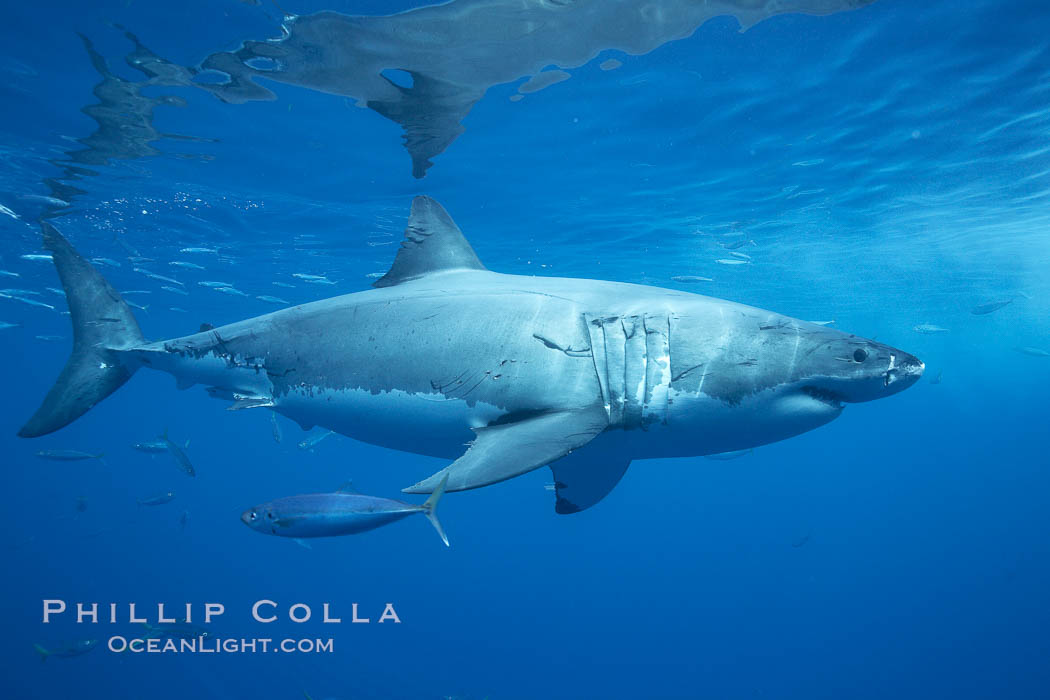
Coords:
pixel 860 355
pixel 253 516
pixel 269 515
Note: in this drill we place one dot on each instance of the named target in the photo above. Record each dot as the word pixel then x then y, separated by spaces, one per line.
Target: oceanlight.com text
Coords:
pixel 208 645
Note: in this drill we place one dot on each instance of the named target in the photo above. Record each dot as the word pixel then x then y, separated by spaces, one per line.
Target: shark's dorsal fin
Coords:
pixel 432 243
pixel 347 487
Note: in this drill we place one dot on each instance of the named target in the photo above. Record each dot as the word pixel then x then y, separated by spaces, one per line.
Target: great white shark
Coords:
pixel 501 373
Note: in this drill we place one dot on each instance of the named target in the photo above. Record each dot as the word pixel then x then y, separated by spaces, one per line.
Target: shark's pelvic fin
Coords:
pixel 103 326
pixel 432 243
pixel 507 450
pixel 586 477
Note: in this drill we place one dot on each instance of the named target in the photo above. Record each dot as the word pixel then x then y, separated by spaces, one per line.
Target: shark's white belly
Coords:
pixel 427 424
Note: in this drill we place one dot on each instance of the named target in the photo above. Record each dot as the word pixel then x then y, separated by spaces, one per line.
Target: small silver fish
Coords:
pixel 175 290
pixel 37 256
pixel 1034 352
pixel 231 290
pixel 344 512
pixel 151 446
pixel 311 442
pixel 989 306
pixel 69 455
pixel 732 261
pixel 154 275
pixel 188 265
pixel 735 245
pixel 277 435
pixel 292 286
pixel 67 650
pixel 929 329
pixel 690 279
pixel 31 302
pixel 198 250
pixel 105 261
pixel 158 499
pixel 180 456
pixel 214 285
pixel 272 300
pixel 43 199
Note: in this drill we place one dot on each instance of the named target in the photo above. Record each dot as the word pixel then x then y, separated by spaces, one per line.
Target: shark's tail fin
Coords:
pixel 44 653
pixel 430 509
pixel 102 325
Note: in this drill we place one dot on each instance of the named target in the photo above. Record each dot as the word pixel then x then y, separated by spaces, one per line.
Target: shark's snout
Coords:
pixel 872 372
pixel 904 370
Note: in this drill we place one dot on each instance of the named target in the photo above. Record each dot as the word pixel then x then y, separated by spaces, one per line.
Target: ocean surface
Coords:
pixel 880 165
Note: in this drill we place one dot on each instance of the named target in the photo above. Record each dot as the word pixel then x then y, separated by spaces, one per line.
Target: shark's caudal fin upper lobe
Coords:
pixel 102 326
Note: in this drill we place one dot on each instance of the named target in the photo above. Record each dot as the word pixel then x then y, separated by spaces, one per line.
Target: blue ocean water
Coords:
pixel 884 167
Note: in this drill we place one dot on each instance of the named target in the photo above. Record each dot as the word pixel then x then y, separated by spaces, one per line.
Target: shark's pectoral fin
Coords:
pixel 507 450
pixel 586 477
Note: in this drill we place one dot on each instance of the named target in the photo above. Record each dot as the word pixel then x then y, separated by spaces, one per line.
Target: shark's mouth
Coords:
pixel 825 396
